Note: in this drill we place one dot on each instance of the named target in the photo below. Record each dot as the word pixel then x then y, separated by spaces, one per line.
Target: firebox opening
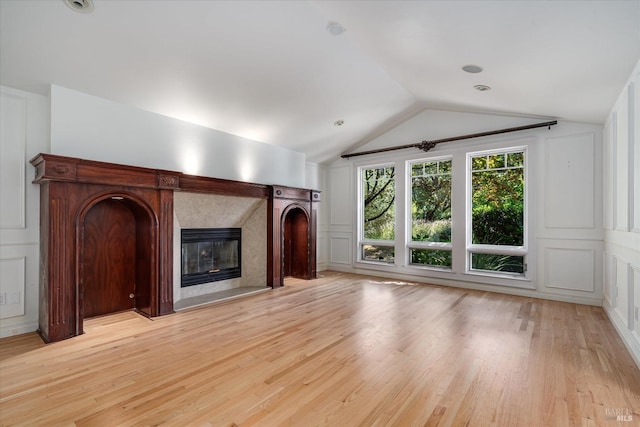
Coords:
pixel 210 255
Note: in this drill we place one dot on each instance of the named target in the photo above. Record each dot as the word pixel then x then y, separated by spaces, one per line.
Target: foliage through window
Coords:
pixel 378 213
pixel 497 212
pixel 438 211
pixel 431 212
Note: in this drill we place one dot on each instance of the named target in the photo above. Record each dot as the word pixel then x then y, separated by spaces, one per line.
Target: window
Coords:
pixel 461 213
pixel 377 215
pixel 430 208
pixel 497 237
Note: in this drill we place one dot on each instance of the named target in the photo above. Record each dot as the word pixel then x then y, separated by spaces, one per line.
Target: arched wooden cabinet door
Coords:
pixel 107 256
pixel 106 242
pixel 292 233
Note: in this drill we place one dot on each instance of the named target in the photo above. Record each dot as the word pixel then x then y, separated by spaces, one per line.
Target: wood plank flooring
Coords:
pixel 342 350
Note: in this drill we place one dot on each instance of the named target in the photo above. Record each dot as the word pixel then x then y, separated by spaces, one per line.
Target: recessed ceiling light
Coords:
pixel 335 28
pixel 473 69
pixel 482 88
pixel 81 6
pixel 338 123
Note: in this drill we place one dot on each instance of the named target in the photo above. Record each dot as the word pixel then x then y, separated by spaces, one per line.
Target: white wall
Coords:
pixel 93 128
pixel 24 127
pixel 622 214
pixel 565 199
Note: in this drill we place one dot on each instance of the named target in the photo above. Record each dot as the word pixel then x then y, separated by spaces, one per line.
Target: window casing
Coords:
pixel 377 214
pixel 497 212
pixel 450 253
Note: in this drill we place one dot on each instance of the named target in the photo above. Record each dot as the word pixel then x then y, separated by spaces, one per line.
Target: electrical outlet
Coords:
pixel 3 298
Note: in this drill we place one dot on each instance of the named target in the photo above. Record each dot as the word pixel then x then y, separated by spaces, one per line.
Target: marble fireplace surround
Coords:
pixel 195 210
pixel 70 188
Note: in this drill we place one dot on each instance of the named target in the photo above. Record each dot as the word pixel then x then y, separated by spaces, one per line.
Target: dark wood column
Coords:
pixel 57 313
pixel 315 201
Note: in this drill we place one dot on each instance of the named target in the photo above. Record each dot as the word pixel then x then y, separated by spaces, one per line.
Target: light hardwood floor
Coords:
pixel 342 350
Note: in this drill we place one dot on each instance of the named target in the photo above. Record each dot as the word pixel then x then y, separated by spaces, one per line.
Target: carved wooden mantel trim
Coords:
pixel 51 167
pixel 68 183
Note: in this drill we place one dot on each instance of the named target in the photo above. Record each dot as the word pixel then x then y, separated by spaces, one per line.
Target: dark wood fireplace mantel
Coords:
pixel 72 187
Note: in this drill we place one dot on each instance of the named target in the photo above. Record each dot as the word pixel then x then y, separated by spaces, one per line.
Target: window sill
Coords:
pixel 516 282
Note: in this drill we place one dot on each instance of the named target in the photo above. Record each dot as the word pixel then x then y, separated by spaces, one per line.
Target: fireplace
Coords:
pixel 210 255
pixel 70 189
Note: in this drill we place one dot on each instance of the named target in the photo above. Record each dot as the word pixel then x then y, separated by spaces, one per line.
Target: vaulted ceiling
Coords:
pixel 272 71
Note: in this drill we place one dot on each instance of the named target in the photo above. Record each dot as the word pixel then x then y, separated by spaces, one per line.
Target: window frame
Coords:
pixel 362 241
pixel 459 273
pixel 508 250
pixel 408 238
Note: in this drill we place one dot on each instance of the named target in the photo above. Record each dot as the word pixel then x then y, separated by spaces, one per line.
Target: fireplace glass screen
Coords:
pixel 210 254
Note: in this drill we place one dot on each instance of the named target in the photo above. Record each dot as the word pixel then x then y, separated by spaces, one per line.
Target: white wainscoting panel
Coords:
pixel 322 248
pixel 572 269
pixel 621 165
pixel 24 132
pixel 636 299
pixel 622 290
pixel 635 165
pixel 13 140
pixel 12 287
pixel 609 279
pixel 609 190
pixel 340 250
pixel 570 181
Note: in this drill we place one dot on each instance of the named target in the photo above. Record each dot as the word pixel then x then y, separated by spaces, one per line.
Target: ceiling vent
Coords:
pixel 80 6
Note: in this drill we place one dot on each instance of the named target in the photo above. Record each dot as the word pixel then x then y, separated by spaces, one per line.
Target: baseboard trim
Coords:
pixel 531 293
pixel 631 342
pixel 11 330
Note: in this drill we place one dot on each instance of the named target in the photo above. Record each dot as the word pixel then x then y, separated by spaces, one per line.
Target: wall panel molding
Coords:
pixel 322 249
pixel 608 180
pixel 608 279
pixel 13 143
pixel 621 164
pixel 622 237
pixel 633 273
pixel 628 338
pixel 622 288
pixel 12 286
pixel 635 306
pixel 340 250
pixel 570 269
pixel 634 155
pixel 570 182
pixel 340 196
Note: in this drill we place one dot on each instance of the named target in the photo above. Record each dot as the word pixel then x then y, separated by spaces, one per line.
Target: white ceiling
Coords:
pixel 270 70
